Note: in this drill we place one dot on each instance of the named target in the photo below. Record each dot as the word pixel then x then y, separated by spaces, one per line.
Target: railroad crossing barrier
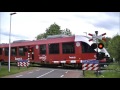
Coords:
pixel 23 63
pixel 90 65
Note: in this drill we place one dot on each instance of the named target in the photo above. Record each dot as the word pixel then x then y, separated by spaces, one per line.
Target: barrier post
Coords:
pixel 83 73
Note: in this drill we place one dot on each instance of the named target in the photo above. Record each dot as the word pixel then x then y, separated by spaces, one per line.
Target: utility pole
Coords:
pixel 96 32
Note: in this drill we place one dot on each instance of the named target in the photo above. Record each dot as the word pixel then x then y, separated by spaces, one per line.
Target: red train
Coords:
pixel 56 49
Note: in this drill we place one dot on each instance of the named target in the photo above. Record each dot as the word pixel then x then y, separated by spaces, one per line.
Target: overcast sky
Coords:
pixel 27 25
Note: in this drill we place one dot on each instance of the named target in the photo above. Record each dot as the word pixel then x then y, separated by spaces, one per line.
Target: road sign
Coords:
pixel 94 37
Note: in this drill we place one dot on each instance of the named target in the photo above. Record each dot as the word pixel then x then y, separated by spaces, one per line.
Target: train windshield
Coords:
pixel 86 48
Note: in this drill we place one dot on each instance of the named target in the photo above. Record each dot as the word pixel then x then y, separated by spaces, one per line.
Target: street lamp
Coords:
pixel 10 40
pixel 0 27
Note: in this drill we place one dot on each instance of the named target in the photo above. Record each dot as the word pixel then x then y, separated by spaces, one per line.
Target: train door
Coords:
pixel 31 53
pixel 42 53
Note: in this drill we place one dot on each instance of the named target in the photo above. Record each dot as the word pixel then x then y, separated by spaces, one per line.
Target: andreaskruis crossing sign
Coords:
pixel 94 37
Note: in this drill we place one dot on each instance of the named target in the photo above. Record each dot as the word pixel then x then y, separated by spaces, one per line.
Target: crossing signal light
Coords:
pixel 100 45
pixel 29 49
pixel 94 46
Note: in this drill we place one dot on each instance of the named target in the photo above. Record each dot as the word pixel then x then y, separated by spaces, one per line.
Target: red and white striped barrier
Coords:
pixel 23 63
pixel 90 66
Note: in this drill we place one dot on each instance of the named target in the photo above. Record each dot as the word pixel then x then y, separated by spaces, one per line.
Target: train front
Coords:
pixel 88 50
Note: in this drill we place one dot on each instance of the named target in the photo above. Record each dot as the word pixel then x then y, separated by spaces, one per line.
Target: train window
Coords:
pixel 21 51
pixel 6 51
pixel 86 48
pixel 54 48
pixel 14 51
pixel 42 49
pixel 0 51
pixel 68 48
pixel 25 49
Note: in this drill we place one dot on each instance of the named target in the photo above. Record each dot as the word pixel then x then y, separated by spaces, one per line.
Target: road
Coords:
pixel 48 73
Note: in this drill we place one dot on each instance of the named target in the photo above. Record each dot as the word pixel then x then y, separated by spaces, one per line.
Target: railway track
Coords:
pixel 68 67
pixel 47 66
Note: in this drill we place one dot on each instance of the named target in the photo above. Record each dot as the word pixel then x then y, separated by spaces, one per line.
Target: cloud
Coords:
pixel 64 19
pixel 13 35
pixel 113 21
pixel 27 25
pixel 108 24
pixel 113 14
pixel 107 20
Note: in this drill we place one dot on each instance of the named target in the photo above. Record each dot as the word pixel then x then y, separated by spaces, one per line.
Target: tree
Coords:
pixel 54 29
pixel 114 47
pixel 106 42
pixel 41 36
pixel 66 32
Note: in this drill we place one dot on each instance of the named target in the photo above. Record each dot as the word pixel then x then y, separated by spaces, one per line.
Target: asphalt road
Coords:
pixel 48 73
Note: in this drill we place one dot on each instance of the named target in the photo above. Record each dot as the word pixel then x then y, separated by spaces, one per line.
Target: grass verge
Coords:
pixel 13 70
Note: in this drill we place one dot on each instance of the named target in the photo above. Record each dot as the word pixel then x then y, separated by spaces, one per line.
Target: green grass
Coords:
pixel 13 70
pixel 114 73
pixel 91 74
pixel 109 74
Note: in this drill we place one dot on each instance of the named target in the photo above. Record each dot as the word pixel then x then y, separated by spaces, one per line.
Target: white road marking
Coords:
pixel 61 75
pixel 45 74
pixel 66 72
pixel 19 76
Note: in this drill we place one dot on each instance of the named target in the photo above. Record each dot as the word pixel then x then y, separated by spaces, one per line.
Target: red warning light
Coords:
pixel 30 49
pixel 100 45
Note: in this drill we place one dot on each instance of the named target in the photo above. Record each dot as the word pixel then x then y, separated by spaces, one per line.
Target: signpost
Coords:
pixel 99 45
pixel 93 64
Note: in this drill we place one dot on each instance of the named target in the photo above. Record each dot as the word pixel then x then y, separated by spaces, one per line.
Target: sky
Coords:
pixel 27 25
